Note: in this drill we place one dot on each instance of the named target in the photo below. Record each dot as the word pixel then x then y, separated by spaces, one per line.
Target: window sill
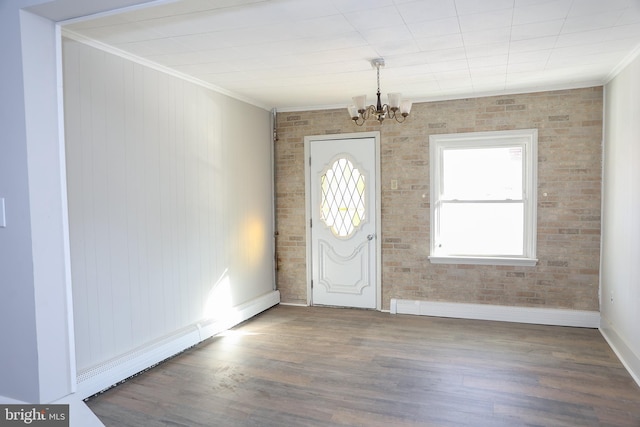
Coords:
pixel 519 262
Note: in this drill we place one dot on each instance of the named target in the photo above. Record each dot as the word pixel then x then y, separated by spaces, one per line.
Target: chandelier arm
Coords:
pixel 399 117
pixel 368 112
pixel 390 112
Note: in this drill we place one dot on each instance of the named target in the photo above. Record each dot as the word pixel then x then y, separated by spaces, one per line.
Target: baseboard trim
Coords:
pixel 294 304
pixel 94 380
pixel 534 315
pixel 629 359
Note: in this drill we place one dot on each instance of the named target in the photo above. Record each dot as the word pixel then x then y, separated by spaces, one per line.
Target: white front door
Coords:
pixel 343 211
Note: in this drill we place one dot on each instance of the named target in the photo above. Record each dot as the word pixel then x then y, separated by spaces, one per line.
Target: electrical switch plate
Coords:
pixel 3 218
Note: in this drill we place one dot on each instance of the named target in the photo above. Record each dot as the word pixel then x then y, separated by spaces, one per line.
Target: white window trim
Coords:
pixel 528 138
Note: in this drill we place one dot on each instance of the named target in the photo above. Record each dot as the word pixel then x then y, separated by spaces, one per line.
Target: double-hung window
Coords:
pixel 483 197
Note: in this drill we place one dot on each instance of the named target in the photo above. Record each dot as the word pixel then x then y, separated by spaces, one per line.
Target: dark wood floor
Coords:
pixel 311 366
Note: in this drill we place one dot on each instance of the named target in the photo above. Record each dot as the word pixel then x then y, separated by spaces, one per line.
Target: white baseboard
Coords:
pixel 105 375
pixel 294 304
pixel 238 315
pixel 629 359
pixel 540 316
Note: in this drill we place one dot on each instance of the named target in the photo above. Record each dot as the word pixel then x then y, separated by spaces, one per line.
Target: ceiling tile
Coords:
pixel 582 38
pixel 300 10
pixel 391 49
pixel 181 7
pixel 437 28
pixel 596 7
pixel 531 67
pixel 532 59
pixel 447 66
pixel 591 22
pixel 369 19
pixel 315 27
pixel 488 61
pixel 536 30
pixel 531 12
pixel 489 36
pixel 346 6
pixel 307 52
pixel 422 11
pixel 533 44
pixel 448 41
pixel 625 31
pixel 470 7
pixel 484 50
pixel 386 35
pixel 447 55
pixel 485 21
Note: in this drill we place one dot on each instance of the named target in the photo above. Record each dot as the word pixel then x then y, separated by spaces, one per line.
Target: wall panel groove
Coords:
pixel 164 180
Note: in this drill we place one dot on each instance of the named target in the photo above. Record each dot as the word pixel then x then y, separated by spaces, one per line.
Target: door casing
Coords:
pixel 378 207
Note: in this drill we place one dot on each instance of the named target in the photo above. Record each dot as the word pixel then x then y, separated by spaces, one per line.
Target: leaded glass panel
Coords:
pixel 342 206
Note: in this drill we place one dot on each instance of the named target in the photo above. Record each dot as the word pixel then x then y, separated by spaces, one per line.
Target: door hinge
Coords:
pixel 309 160
pixel 311 223
pixel 311 283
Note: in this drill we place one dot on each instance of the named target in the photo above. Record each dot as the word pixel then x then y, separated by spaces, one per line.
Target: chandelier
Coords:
pixel 397 108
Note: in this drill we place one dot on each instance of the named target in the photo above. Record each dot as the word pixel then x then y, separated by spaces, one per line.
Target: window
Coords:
pixel 342 205
pixel 483 197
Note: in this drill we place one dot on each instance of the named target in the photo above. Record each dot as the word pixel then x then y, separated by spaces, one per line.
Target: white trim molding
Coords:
pixel 533 315
pixel 445 248
pixel 100 377
pixel 519 262
pixel 629 359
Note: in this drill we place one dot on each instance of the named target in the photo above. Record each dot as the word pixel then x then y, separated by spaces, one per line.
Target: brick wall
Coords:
pixel 569 124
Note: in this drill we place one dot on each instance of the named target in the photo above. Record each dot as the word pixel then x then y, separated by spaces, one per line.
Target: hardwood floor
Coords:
pixel 312 366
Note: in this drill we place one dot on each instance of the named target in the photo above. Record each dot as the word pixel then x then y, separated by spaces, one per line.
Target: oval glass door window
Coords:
pixel 342 206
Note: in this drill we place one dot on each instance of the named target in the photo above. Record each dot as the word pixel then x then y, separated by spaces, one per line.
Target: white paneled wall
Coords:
pixel 169 192
pixel 620 272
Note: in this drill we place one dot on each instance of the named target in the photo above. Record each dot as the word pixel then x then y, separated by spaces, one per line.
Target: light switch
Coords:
pixel 3 218
pixel 394 184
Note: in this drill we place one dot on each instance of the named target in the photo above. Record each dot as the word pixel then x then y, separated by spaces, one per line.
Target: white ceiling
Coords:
pixel 294 54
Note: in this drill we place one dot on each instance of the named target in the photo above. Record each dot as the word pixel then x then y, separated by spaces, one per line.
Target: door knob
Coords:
pixel 371 236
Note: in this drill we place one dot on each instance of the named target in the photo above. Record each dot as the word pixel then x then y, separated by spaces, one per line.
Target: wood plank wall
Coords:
pixel 169 192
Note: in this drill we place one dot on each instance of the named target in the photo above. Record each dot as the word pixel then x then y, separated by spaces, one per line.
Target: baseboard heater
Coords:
pixel 111 372
pixel 534 315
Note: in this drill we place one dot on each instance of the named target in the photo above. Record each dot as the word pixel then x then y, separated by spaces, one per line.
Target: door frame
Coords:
pixel 378 207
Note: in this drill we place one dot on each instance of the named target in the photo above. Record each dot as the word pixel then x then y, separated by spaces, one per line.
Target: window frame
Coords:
pixel 525 138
